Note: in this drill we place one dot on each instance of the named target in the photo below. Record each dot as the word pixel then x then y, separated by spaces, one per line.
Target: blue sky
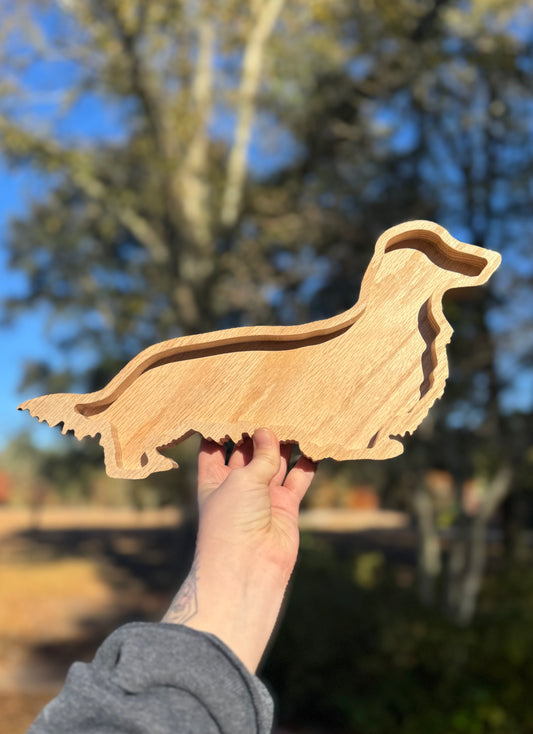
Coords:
pixel 90 119
pixel 25 338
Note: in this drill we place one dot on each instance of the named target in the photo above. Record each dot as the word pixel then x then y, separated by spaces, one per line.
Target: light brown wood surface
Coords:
pixel 347 387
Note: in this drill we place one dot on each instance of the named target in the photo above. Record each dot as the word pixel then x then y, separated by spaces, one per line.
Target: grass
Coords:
pixel 59 600
pixel 43 600
pixel 42 603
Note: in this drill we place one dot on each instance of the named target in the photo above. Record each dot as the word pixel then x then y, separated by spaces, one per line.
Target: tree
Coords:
pixel 129 242
pixel 171 218
pixel 458 108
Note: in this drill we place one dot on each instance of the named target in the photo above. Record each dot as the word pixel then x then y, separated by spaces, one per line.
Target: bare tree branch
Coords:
pixel 23 143
pixel 191 182
pixel 139 79
pixel 139 227
pixel 252 63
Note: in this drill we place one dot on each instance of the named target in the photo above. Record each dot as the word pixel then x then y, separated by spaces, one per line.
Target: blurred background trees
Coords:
pixel 207 165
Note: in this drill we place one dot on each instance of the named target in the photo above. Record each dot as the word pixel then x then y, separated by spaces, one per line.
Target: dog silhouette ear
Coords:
pixel 442 255
pixel 475 263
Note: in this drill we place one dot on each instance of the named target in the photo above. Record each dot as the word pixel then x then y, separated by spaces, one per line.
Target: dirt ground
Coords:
pixel 69 576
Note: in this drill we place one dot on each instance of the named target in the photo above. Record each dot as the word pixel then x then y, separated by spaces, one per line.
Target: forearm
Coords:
pixel 235 598
pixel 247 543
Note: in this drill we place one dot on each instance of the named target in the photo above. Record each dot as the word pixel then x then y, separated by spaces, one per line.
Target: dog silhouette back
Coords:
pixel 348 387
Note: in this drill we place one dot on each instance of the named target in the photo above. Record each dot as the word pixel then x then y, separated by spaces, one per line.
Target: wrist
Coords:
pixel 238 602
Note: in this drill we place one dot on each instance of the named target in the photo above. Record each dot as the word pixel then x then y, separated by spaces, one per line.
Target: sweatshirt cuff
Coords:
pixel 143 656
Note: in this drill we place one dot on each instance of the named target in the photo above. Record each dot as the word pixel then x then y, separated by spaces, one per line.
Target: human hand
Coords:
pixel 247 543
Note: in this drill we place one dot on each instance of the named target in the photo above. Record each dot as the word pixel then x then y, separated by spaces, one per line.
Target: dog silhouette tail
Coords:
pixel 62 408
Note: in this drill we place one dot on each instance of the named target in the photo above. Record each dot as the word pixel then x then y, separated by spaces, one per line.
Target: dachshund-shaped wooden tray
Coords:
pixel 347 387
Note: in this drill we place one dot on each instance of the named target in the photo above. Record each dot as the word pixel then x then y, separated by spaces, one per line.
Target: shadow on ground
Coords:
pixel 143 568
pixel 355 651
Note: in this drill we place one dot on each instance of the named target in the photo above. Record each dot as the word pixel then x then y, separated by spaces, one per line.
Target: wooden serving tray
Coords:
pixel 347 387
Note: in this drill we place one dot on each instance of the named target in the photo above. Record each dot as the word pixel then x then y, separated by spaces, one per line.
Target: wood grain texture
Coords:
pixel 347 387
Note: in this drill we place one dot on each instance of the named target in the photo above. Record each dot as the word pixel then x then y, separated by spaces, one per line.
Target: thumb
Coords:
pixel 266 459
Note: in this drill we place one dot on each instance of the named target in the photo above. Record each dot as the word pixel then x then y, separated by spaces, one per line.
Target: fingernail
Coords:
pixel 263 437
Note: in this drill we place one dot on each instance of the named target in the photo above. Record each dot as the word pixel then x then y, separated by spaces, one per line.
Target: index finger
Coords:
pixel 211 463
pixel 300 477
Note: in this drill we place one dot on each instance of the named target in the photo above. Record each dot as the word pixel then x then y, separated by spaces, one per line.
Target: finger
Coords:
pixel 211 461
pixel 300 477
pixel 285 451
pixel 266 459
pixel 242 454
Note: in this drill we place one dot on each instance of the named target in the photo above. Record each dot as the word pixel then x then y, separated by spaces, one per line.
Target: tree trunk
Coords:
pixel 429 552
pixel 496 491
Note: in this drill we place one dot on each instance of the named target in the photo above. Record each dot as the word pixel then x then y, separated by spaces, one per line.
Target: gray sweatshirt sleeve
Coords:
pixel 159 679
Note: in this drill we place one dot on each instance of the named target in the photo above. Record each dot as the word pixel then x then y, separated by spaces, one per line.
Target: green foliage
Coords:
pixel 248 156
pixel 166 224
pixel 389 112
pixel 73 473
pixel 357 658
